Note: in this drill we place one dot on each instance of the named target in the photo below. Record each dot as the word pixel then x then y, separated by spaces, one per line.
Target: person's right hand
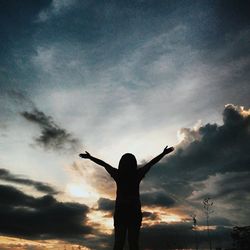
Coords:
pixel 86 155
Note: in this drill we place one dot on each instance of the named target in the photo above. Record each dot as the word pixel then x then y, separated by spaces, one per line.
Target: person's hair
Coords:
pixel 127 164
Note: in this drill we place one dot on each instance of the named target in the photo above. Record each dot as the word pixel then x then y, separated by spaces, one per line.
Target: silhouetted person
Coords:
pixel 127 215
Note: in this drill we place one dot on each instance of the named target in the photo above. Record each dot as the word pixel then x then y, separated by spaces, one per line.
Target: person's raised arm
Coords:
pixel 148 165
pixel 102 163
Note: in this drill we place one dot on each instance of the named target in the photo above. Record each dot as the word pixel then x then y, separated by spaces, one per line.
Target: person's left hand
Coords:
pixel 168 150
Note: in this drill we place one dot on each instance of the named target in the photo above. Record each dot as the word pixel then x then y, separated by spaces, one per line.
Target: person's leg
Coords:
pixel 133 236
pixel 120 236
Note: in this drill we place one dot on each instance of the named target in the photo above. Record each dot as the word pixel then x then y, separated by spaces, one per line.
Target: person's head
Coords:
pixel 128 163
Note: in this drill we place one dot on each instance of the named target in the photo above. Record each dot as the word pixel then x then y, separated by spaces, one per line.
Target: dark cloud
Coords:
pixel 211 161
pixel 149 215
pixel 52 136
pixel 25 216
pixel 5 175
pixel 224 185
pixel 157 198
pixel 210 149
pixel 106 204
pixel 101 241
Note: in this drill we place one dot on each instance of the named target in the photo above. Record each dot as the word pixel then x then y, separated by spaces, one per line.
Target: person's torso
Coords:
pixel 128 193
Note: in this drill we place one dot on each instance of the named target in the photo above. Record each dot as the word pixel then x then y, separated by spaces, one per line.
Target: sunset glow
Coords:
pixel 10 243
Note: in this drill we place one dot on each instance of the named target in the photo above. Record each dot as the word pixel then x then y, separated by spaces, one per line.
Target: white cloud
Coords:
pixel 142 96
pixel 57 7
pixel 45 58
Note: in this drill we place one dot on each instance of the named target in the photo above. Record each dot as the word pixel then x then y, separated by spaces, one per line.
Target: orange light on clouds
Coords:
pixel 170 218
pixel 10 243
pixel 101 221
pixel 204 228
pixel 162 215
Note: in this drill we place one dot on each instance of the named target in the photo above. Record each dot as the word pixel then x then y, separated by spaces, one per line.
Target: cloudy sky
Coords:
pixel 122 76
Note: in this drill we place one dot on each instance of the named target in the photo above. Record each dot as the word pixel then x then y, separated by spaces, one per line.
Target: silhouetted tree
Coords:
pixel 195 230
pixel 207 205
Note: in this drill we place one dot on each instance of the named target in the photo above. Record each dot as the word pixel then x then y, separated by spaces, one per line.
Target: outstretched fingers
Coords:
pixel 85 155
pixel 168 150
